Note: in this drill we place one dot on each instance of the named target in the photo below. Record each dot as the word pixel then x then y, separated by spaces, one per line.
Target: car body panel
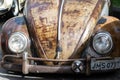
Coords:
pixel 112 25
pixel 17 24
pixel 44 24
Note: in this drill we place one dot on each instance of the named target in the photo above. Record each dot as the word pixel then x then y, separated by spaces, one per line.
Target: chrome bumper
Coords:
pixel 90 65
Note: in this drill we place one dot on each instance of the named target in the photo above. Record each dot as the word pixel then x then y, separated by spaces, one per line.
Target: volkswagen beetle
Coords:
pixel 12 6
pixel 62 36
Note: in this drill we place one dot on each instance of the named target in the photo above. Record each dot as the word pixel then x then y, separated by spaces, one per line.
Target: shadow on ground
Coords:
pixel 100 76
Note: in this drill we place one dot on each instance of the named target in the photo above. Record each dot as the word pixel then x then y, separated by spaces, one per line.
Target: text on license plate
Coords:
pixel 105 64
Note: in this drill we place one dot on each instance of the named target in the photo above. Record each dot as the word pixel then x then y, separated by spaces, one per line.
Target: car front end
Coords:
pixel 62 36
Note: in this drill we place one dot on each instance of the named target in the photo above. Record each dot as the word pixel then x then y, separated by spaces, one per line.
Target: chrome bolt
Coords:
pixel 77 66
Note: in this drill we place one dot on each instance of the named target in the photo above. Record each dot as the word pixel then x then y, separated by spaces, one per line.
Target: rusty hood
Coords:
pixel 60 28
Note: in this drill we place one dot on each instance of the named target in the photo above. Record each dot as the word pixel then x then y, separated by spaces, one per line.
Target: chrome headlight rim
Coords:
pixel 103 34
pixel 20 35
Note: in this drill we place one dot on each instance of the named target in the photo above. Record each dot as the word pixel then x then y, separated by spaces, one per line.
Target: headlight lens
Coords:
pixel 102 43
pixel 17 42
pixel 1 2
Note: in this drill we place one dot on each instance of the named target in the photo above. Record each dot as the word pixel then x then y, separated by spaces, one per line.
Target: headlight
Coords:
pixel 17 42
pixel 102 42
pixel 1 2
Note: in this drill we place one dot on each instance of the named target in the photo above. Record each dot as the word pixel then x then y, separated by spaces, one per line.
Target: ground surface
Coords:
pixel 5 75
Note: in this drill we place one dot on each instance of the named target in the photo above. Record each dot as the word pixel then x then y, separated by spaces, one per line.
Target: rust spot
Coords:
pixel 97 9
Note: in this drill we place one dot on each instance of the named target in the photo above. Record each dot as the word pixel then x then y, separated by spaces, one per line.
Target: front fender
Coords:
pixel 16 24
pixel 112 25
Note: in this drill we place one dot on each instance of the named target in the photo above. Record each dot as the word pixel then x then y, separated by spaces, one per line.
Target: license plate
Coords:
pixel 105 64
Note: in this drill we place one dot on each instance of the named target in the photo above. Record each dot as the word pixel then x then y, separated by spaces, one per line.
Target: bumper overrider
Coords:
pixel 84 65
